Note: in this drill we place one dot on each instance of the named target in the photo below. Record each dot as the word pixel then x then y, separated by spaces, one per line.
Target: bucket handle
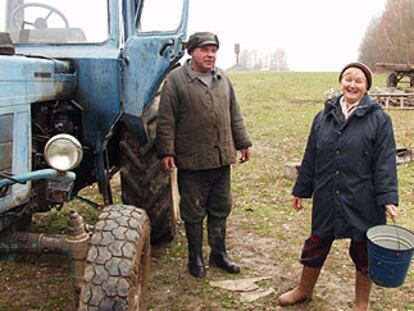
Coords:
pixel 398 234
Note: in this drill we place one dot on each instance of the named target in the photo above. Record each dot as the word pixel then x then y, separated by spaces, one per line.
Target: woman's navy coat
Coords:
pixel 349 168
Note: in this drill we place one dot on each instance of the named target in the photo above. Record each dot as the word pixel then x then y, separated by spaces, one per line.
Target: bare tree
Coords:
pixel 390 37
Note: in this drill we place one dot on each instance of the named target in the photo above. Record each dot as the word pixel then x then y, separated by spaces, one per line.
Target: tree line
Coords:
pixel 256 60
pixel 389 37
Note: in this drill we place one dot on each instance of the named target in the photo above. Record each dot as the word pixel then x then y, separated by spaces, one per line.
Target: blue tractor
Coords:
pixel 79 84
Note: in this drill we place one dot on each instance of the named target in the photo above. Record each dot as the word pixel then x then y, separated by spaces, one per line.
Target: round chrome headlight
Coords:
pixel 63 152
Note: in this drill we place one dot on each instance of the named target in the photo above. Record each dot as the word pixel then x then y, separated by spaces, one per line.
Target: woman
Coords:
pixel 349 168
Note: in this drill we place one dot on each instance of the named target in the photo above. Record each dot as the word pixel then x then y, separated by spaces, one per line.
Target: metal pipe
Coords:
pixel 47 173
pixel 33 243
pixel 78 242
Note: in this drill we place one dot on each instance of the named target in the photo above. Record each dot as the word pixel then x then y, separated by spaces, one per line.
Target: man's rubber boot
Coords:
pixel 303 292
pixel 217 241
pixel 194 233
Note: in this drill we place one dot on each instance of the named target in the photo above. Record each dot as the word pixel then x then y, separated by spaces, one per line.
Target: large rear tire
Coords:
pixel 392 80
pixel 146 183
pixel 117 266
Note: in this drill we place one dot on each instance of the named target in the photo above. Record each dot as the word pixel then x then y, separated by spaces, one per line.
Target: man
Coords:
pixel 200 127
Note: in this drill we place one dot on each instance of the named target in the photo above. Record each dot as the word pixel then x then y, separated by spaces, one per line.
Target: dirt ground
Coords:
pixel 43 283
pixel 261 257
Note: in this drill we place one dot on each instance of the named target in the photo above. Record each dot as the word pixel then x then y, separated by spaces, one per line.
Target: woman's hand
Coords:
pixel 391 210
pixel 297 203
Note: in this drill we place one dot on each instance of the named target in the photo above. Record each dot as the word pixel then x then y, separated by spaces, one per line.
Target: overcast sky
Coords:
pixel 317 35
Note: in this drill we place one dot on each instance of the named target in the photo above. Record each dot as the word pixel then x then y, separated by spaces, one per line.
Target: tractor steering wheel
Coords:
pixel 40 22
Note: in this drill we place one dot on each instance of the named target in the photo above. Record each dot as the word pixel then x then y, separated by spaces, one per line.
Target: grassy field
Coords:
pixel 265 234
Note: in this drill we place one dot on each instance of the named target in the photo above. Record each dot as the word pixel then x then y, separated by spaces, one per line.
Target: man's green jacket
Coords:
pixel 200 126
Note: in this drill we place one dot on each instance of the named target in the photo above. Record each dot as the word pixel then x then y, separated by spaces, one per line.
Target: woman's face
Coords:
pixel 353 85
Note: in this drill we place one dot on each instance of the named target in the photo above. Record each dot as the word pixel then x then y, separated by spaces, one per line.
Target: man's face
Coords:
pixel 204 58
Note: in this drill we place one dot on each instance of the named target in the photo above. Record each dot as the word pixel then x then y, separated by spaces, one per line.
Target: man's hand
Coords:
pixel 168 162
pixel 391 211
pixel 245 155
pixel 297 203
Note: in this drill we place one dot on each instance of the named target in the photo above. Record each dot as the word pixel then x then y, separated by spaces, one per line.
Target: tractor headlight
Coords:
pixel 63 152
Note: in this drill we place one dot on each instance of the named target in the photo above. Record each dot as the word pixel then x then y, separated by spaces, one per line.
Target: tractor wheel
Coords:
pixel 145 182
pixel 117 265
pixel 392 80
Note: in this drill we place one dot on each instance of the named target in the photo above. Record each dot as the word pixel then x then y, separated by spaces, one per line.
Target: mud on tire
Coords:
pixel 117 267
